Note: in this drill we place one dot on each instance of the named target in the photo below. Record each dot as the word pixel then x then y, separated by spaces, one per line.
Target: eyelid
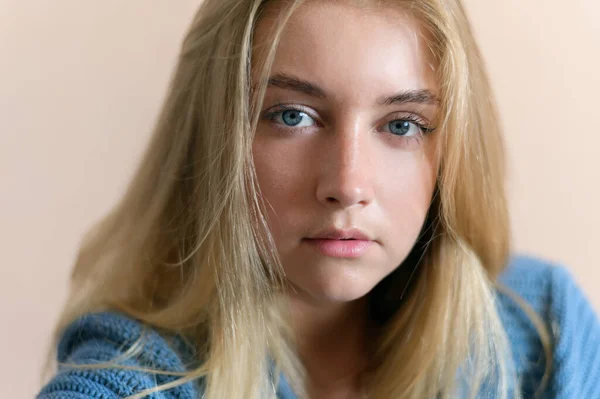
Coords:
pixel 296 107
pixel 414 117
pixel 409 115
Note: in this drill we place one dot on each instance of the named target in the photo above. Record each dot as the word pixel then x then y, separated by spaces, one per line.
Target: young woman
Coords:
pixel 321 214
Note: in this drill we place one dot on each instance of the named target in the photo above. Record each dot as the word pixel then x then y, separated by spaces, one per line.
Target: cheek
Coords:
pixel 407 177
pixel 279 160
pixel 406 188
pixel 282 179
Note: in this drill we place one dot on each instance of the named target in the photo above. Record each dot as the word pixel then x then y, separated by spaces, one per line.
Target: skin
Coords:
pixel 341 164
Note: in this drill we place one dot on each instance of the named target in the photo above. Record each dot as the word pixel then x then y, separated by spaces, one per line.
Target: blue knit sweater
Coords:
pixel 549 289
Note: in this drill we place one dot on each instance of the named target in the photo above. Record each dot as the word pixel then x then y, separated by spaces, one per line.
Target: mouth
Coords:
pixel 336 243
pixel 342 235
pixel 340 248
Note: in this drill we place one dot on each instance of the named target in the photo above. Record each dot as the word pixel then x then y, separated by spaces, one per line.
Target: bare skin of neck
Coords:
pixel 333 346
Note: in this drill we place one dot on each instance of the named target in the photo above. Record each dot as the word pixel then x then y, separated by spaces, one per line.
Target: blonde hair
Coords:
pixel 187 250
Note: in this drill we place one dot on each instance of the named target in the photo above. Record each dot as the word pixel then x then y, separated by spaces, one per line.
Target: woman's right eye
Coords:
pixel 292 118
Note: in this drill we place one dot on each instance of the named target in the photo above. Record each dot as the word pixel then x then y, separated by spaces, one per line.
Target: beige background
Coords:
pixel 81 82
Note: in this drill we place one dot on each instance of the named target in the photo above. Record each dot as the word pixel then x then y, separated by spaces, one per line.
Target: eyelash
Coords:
pixel 280 108
pixel 416 119
pixel 404 116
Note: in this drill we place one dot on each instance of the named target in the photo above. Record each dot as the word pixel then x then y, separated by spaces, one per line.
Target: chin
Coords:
pixel 337 289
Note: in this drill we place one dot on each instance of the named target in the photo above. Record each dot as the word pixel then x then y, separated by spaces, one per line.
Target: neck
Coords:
pixel 332 342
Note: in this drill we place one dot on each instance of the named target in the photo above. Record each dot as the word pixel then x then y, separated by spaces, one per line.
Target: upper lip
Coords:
pixel 341 234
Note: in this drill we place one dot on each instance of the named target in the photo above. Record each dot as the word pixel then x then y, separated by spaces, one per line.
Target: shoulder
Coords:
pixel 549 288
pixel 533 276
pixel 114 338
pixel 554 295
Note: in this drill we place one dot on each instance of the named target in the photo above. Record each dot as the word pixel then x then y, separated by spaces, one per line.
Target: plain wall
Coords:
pixel 81 83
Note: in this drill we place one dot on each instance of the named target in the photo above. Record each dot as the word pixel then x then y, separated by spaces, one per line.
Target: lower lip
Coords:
pixel 340 248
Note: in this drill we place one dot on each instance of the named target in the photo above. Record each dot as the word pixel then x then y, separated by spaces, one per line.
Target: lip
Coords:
pixel 341 234
pixel 340 248
pixel 336 243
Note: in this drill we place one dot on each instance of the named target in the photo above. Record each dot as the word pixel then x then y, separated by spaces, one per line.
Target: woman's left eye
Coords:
pixel 292 118
pixel 403 128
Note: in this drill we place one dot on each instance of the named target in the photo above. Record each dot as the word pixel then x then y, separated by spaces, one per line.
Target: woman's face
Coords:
pixel 343 154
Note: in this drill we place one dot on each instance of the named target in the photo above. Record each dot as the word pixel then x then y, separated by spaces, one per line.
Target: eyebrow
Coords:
pixel 419 96
pixel 289 82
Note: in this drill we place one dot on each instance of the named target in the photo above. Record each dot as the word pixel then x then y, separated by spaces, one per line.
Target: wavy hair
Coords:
pixel 187 249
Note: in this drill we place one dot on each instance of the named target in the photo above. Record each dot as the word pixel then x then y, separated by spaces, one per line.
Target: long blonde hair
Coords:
pixel 187 249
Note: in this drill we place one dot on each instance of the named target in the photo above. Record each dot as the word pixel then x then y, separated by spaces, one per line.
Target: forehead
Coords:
pixel 352 50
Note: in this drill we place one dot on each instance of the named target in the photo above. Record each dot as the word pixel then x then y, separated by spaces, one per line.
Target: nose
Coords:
pixel 346 170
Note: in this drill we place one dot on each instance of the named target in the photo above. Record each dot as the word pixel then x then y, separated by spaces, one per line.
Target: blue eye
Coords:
pixel 404 128
pixel 293 118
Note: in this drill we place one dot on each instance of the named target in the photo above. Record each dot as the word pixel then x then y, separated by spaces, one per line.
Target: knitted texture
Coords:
pixel 549 289
pixel 103 337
